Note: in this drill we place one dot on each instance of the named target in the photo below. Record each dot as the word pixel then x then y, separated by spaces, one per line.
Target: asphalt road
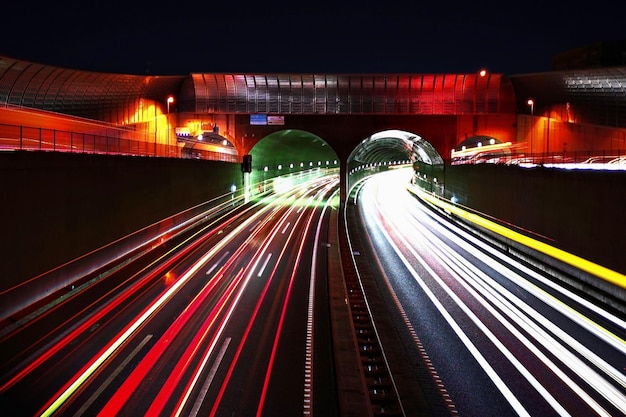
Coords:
pixel 503 338
pixel 229 321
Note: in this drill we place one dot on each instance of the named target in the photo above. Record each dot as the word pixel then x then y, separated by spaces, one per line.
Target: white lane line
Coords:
pixel 207 382
pixel 254 226
pixel 111 377
pixel 269 255
pixel 218 262
pixel 308 360
pixel 286 227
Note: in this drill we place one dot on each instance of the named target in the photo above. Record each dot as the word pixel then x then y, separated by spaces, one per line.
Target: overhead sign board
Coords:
pixel 258 119
pixel 264 119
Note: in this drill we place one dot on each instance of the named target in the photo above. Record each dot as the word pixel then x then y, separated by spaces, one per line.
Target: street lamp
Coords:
pixel 531 103
pixel 169 100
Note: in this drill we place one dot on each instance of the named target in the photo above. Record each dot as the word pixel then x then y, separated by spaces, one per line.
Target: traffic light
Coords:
pixel 246 165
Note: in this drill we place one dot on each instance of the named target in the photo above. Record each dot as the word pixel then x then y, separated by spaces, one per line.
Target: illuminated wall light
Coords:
pixel 290 165
pixel 280 167
pixel 265 169
pixel 301 164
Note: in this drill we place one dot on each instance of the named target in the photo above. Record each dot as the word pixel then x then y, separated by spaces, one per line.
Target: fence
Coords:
pixel 109 141
pixel 599 159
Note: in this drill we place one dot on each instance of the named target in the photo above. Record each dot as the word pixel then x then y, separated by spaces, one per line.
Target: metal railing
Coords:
pixel 106 140
pixel 598 159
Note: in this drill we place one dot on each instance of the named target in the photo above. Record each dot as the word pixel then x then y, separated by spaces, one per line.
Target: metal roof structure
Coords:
pixel 92 95
pixel 450 94
pixel 599 94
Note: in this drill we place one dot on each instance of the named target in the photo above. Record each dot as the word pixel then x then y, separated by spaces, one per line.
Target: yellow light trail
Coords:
pixel 583 264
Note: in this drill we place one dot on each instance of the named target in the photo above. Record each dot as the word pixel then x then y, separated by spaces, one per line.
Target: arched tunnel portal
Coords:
pixel 292 151
pixel 289 152
pixel 390 148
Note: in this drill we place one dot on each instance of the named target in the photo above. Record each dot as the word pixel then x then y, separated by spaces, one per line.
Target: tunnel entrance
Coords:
pixel 285 154
pixel 390 148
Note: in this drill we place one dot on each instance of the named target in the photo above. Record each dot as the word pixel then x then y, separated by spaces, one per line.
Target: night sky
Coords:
pixel 383 36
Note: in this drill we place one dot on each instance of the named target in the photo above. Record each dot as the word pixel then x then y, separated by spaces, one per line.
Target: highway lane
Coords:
pixel 502 337
pixel 224 328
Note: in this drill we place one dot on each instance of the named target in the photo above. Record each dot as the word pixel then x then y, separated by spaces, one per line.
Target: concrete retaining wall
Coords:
pixel 581 211
pixel 56 206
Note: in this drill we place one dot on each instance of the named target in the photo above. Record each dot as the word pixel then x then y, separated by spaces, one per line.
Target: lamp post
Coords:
pixel 156 129
pixel 548 134
pixel 531 103
pixel 169 100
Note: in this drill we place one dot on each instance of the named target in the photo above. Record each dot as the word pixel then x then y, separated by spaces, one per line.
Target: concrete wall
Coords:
pixel 57 206
pixel 580 211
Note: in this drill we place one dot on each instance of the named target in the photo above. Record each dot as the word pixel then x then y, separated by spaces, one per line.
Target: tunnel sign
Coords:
pixel 275 120
pixel 258 119
pixel 264 119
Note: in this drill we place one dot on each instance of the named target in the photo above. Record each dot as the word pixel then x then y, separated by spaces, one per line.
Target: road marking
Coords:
pixel 218 262
pixel 207 383
pixel 269 255
pixel 254 226
pixel 112 376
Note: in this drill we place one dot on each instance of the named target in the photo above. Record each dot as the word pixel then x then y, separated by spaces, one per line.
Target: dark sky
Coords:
pixel 383 36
